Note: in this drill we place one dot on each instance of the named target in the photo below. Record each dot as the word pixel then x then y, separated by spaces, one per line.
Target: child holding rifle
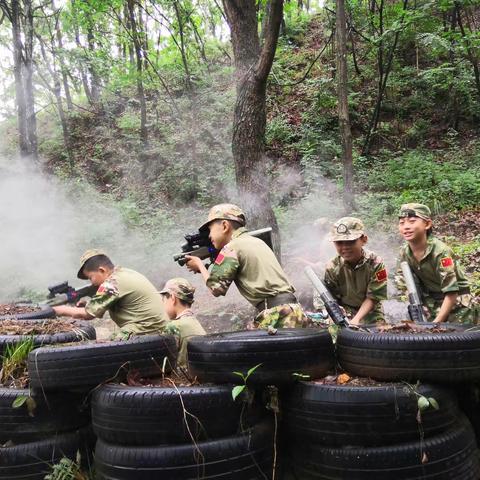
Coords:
pixel 356 277
pixel 445 290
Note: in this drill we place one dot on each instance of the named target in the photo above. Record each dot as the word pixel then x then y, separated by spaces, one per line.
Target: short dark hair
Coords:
pixel 182 302
pixel 94 263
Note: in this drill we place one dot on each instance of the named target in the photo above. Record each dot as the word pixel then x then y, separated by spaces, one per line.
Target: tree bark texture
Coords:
pixel 139 60
pixel 21 19
pixel 343 112
pixel 253 63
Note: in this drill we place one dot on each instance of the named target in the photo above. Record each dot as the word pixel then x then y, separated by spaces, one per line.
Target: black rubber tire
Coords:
pixel 214 358
pixel 341 415
pixel 451 455
pixel 88 365
pixel 53 413
pixel 46 311
pixel 440 358
pixel 125 415
pixel 240 457
pixel 84 331
pixel 33 460
pixel 469 401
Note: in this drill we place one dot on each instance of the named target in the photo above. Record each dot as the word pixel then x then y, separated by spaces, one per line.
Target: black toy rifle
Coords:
pixel 199 245
pixel 331 305
pixel 63 293
pixel 415 307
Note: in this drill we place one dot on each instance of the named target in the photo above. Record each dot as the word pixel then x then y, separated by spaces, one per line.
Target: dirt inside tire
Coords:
pixel 45 327
pixel 17 309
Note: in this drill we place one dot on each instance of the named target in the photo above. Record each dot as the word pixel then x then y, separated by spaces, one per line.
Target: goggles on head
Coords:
pixel 408 214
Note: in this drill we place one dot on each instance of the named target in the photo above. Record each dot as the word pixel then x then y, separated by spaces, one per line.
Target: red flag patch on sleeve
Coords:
pixel 219 259
pixel 101 289
pixel 381 275
pixel 447 262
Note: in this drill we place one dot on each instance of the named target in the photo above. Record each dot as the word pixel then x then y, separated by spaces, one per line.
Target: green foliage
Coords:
pixel 418 176
pixel 67 469
pixel 238 389
pixel 14 360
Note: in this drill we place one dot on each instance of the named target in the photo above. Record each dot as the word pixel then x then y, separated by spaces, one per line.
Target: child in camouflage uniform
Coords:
pixel 177 295
pixel 131 300
pixel 445 290
pixel 252 266
pixel 356 277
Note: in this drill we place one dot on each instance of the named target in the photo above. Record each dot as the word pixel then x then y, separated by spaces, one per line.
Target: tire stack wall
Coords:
pixel 53 420
pixel 43 426
pixel 193 432
pixel 378 431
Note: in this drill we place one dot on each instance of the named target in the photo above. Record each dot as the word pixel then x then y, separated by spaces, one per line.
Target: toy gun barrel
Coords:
pixel 331 305
pixel 202 253
pixel 58 289
pixel 415 307
pixel 63 293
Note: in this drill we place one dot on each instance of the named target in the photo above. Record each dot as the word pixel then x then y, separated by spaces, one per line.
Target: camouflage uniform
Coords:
pixel 132 302
pixel 439 273
pixel 352 284
pixel 185 325
pixel 252 266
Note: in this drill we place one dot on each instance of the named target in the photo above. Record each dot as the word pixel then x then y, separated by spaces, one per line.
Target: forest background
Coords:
pixel 119 118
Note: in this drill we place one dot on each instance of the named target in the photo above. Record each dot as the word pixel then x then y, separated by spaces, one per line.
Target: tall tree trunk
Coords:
pixel 343 112
pixel 139 58
pixel 83 74
pixel 470 51
pixel 128 24
pixel 61 61
pixel 56 91
pixel 21 20
pixel 253 65
pixel 28 79
pixel 183 53
pixel 20 100
pixel 94 78
pixel 384 73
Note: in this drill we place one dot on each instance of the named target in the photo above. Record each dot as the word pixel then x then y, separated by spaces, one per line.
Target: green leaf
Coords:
pixel 423 403
pixel 433 403
pixel 252 370
pixel 19 401
pixel 236 391
pixel 241 375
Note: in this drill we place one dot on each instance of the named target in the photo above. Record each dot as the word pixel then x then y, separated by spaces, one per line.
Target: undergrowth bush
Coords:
pixel 418 176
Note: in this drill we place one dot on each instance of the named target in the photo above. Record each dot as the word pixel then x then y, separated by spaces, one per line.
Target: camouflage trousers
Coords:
pixel 466 310
pixel 289 315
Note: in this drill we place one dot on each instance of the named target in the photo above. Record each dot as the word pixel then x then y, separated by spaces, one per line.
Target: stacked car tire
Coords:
pixel 381 430
pixel 51 420
pixel 176 433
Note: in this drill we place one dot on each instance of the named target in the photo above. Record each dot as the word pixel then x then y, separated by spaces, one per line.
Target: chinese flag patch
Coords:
pixel 381 275
pixel 101 289
pixel 447 262
pixel 219 259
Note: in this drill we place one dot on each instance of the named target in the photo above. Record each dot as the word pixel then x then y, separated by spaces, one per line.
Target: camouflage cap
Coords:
pixel 181 288
pixel 415 210
pixel 225 211
pixel 93 252
pixel 346 229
